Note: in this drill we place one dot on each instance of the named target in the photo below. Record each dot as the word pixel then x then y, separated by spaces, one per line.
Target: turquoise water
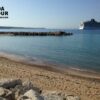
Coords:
pixel 81 50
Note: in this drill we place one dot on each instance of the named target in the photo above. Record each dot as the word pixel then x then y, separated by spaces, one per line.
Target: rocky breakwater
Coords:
pixel 15 89
pixel 60 33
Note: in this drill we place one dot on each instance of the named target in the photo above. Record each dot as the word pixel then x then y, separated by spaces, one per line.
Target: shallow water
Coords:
pixel 81 50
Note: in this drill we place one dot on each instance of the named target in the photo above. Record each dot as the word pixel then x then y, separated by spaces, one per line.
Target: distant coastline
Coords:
pixel 13 27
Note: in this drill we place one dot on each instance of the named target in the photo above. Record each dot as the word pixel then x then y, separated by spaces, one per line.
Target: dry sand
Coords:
pixel 71 82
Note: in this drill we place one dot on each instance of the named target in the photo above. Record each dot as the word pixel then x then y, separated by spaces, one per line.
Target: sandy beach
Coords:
pixel 46 78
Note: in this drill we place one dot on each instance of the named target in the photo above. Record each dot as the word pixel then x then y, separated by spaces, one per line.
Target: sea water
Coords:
pixel 81 50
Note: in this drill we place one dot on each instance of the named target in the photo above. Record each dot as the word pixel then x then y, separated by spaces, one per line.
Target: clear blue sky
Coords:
pixel 49 13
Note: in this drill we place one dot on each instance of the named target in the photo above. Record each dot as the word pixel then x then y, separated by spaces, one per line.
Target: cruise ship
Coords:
pixel 90 25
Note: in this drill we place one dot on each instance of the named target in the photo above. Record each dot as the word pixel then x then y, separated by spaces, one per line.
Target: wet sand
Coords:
pixel 73 82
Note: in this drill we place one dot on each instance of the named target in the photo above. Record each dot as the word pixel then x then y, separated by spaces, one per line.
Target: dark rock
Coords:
pixel 10 83
pixel 1 98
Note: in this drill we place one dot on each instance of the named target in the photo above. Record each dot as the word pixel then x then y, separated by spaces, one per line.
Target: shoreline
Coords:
pixel 67 70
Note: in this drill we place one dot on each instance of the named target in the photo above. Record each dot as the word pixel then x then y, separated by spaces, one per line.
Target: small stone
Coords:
pixel 9 95
pixel 2 91
pixel 31 95
pixel 73 97
pixel 17 94
pixel 5 93
pixel 53 95
pixel 27 85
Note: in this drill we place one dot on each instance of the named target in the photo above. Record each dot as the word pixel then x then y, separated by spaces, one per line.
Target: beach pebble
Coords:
pixel 10 95
pixel 28 85
pixel 53 95
pixel 5 93
pixel 71 97
pixel 10 83
pixel 2 91
pixel 31 95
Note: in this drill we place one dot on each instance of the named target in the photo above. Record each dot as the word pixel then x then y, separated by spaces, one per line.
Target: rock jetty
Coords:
pixel 15 89
pixel 60 33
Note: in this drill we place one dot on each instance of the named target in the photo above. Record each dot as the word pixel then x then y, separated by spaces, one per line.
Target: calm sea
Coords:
pixel 81 50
